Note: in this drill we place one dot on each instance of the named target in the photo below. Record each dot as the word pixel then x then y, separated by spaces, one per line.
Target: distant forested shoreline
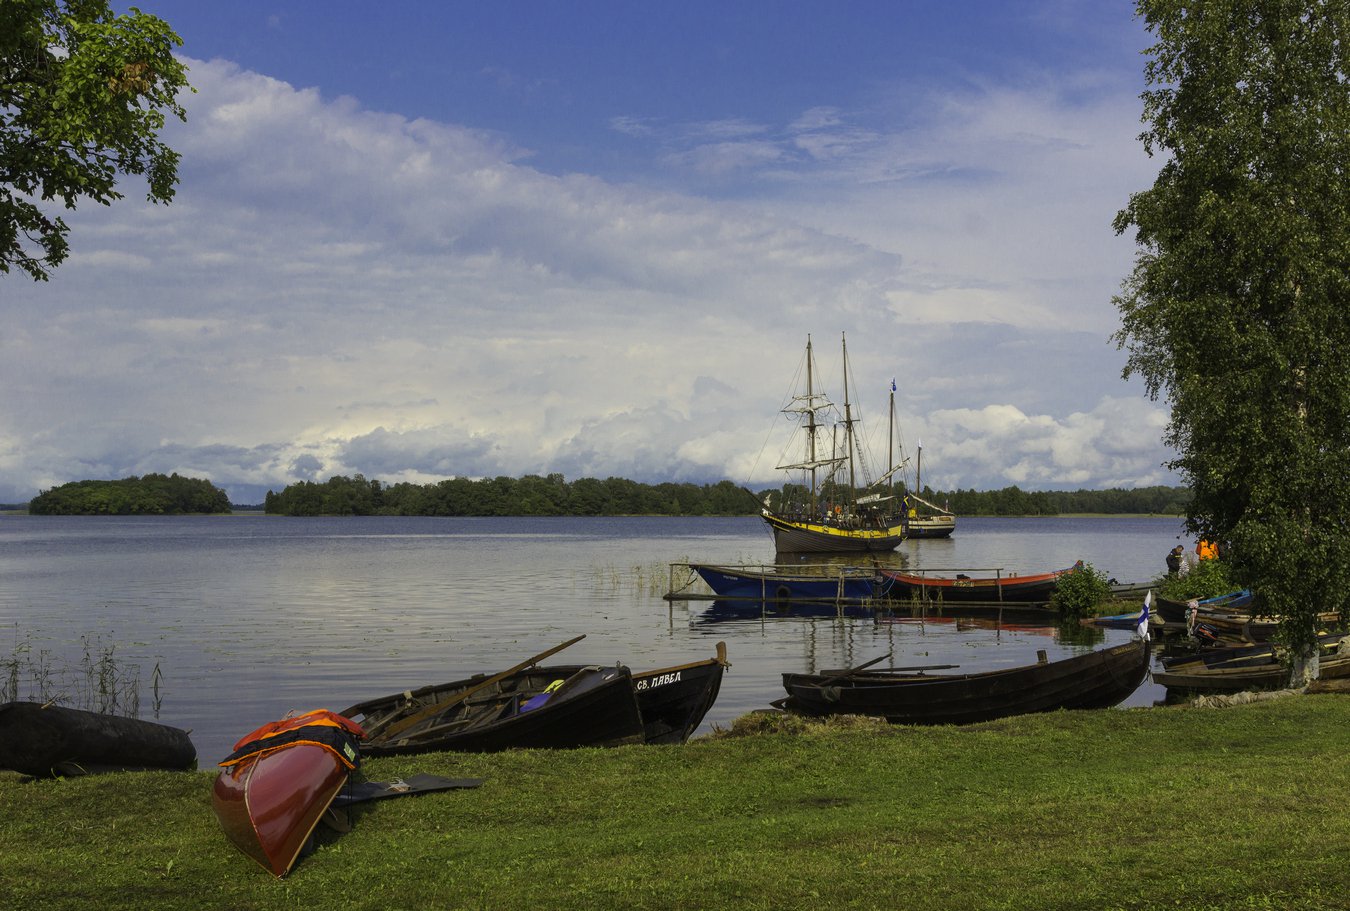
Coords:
pixel 533 495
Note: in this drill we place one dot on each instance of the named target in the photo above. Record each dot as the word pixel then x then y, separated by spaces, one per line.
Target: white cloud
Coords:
pixel 337 290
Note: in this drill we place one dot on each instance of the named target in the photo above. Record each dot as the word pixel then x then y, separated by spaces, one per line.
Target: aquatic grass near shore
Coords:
pixel 650 579
pixel 97 682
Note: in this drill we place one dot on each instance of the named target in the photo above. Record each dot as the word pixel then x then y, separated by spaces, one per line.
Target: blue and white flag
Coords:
pixel 1141 628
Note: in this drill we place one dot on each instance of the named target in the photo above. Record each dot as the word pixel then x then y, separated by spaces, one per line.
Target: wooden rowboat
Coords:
pixel 1097 679
pixel 773 583
pixel 47 740
pixel 1179 611
pixel 1037 587
pixel 1251 668
pixel 273 790
pixel 544 706
pixel 674 700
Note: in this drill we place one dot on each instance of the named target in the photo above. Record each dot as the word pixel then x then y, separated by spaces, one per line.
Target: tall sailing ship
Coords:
pixel 831 516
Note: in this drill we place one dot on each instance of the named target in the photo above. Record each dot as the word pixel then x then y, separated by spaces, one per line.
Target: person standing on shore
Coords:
pixel 1176 561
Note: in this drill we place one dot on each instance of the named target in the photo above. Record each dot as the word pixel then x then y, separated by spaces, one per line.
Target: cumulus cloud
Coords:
pixel 340 290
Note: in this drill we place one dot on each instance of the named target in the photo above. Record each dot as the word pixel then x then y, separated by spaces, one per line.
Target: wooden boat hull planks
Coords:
pixel 46 740
pixel 592 706
pixel 1097 679
pixel 1254 671
pixel 791 536
pixel 674 700
pixel 930 527
pixel 1033 588
pixel 825 583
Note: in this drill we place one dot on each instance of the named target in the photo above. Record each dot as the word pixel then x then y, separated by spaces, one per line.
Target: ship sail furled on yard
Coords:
pixel 832 513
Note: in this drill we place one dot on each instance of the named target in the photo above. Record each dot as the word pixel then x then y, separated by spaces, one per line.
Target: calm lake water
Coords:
pixel 248 617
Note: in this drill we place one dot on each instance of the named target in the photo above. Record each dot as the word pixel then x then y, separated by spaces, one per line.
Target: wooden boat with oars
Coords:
pixel 840 509
pixel 1172 611
pixel 1034 588
pixel 1255 667
pixel 1098 679
pixel 280 780
pixel 45 740
pixel 543 706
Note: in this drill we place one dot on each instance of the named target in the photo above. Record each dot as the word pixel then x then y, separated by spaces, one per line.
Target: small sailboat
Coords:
pixel 922 518
pixel 926 520
pixel 831 512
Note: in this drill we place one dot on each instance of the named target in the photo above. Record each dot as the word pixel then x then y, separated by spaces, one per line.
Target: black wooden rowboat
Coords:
pixel 557 706
pixel 674 700
pixel 1094 680
pixel 544 707
pixel 1252 668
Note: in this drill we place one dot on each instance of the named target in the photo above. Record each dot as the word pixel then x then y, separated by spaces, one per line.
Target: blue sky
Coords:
pixel 449 239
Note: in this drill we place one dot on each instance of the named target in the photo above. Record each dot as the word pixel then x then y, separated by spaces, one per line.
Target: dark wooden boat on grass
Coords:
pixel 1098 679
pixel 543 707
pixel 538 706
pixel 276 786
pixel 48 740
pixel 674 700
pixel 1036 588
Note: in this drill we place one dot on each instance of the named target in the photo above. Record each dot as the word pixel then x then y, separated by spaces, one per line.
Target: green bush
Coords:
pixel 1204 580
pixel 1080 590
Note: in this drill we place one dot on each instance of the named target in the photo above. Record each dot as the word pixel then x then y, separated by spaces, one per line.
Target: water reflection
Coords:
pixel 250 617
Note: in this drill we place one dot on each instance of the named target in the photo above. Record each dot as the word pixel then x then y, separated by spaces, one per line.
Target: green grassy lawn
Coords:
pixel 1178 808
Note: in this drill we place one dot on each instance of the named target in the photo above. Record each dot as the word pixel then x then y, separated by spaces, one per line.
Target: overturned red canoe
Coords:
pixel 276 785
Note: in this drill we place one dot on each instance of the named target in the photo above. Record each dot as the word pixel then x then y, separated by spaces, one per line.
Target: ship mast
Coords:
pixel 810 428
pixel 848 424
pixel 890 443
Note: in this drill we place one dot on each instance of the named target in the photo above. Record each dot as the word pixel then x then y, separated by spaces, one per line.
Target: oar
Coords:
pixel 917 667
pixel 437 708
pixel 853 670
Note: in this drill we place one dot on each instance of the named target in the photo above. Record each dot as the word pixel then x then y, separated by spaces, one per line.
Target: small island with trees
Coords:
pixel 152 494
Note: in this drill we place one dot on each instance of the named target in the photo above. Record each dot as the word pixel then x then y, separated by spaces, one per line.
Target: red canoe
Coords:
pixel 275 787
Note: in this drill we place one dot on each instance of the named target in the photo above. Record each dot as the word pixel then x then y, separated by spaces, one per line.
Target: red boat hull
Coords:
pixel 1031 588
pixel 269 804
pixel 280 780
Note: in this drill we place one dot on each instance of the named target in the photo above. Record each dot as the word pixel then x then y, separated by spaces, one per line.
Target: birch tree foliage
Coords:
pixel 1237 311
pixel 84 95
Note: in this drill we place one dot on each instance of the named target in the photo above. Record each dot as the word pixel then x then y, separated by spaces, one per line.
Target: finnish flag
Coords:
pixel 1141 628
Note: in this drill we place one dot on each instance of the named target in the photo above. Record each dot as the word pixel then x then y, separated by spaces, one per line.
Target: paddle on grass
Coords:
pixel 439 707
